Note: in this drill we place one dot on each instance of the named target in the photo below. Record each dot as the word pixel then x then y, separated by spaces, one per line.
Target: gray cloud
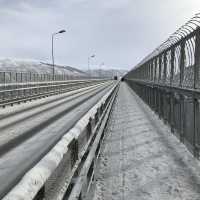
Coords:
pixel 119 32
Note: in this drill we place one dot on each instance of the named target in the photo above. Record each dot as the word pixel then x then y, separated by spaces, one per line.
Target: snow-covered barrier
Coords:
pixel 16 93
pixel 7 77
pixel 21 71
pixel 56 175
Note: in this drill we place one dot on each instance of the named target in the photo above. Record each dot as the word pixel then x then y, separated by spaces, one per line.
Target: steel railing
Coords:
pixel 9 77
pixel 168 81
pixel 16 93
pixel 23 77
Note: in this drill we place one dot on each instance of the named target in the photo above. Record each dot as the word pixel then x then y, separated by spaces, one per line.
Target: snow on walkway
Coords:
pixel 141 159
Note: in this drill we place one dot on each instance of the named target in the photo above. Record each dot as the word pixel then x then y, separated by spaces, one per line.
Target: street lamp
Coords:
pixel 52 50
pixel 92 56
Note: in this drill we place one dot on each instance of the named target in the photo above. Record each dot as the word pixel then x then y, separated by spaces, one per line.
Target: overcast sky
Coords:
pixel 119 32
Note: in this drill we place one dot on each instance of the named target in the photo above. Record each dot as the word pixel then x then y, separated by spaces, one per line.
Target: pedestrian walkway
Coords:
pixel 141 159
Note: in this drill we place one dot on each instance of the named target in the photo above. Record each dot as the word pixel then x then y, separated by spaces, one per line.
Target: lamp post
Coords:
pixel 92 56
pixel 52 50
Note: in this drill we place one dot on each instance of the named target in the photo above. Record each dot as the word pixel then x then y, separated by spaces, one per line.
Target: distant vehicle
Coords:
pixel 115 77
pixel 122 79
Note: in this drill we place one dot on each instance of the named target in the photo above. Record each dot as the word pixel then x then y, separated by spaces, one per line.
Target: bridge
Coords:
pixel 100 139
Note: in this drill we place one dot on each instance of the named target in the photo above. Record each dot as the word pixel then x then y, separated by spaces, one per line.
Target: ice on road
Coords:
pixel 141 159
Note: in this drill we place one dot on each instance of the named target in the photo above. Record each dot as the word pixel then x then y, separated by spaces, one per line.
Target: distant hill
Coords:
pixel 108 73
pixel 37 67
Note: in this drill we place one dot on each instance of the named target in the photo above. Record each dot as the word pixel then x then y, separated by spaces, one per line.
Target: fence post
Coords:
pixel 155 69
pixel 182 118
pixel 10 74
pixel 21 77
pixel 4 77
pixel 160 68
pixel 151 64
pixel 165 67
pixel 172 66
pixel 182 63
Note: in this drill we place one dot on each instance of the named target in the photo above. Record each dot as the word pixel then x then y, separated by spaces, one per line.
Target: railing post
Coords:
pixel 182 118
pixel 149 71
pixel 165 68
pixel 172 66
pixel 10 77
pixel 4 77
pixel 145 72
pixel 16 78
pixel 21 77
pixel 151 65
pixel 171 115
pixel 74 152
pixel 182 63
pixel 160 68
pixel 155 68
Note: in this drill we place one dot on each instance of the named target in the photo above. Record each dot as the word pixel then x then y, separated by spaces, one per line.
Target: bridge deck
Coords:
pixel 141 159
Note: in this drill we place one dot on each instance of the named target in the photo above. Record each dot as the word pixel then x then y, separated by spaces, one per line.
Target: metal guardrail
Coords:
pixel 9 77
pixel 68 169
pixel 23 93
pixel 169 81
pixel 23 77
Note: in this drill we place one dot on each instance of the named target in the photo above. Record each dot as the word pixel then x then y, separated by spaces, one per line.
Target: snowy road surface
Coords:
pixel 141 159
pixel 27 135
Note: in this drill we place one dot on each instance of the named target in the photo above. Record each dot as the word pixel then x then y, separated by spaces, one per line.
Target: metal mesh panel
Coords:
pixel 188 80
pixel 168 67
pixel 176 79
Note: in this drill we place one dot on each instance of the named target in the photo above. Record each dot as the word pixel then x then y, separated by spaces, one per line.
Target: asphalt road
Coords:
pixel 30 132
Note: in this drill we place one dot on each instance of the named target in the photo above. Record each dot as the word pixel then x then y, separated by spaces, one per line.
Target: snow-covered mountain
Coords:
pixel 108 73
pixel 37 67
